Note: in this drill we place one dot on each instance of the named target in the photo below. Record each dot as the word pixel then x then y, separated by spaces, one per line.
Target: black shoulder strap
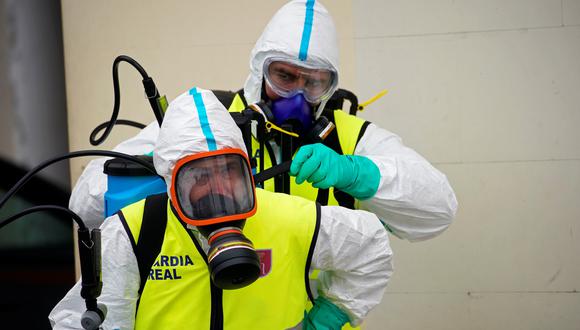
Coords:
pixel 333 143
pixel 151 234
pixel 337 99
pixel 332 140
pixel 225 97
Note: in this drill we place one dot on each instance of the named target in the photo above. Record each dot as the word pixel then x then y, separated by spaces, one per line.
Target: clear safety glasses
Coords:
pixel 213 187
pixel 287 78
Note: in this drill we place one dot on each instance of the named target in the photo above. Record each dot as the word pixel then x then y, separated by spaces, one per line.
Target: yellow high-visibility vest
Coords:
pixel 178 293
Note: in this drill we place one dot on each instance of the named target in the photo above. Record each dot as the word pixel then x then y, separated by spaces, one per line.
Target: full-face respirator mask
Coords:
pixel 214 191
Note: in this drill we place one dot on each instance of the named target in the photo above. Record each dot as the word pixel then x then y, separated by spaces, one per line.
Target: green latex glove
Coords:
pixel 324 168
pixel 324 316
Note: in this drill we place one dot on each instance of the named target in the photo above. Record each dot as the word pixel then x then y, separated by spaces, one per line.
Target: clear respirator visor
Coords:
pixel 290 77
pixel 213 187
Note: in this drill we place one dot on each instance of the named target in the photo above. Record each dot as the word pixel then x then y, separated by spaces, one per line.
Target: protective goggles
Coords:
pixel 288 78
pixel 213 187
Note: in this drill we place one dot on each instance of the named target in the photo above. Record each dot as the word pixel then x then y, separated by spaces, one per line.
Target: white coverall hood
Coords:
pixel 195 122
pixel 301 30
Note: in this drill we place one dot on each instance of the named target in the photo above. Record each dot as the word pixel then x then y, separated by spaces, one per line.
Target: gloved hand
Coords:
pixel 324 315
pixel 324 168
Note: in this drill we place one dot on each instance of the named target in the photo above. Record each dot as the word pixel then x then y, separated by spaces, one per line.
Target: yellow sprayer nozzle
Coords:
pixel 380 94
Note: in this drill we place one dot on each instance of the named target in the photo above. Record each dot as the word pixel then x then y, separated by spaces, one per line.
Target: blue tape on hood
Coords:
pixel 307 30
pixel 204 122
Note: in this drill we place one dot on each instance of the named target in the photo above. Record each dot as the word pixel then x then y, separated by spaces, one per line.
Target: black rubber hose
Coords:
pixel 74 154
pixel 39 208
pixel 109 125
pixel 93 136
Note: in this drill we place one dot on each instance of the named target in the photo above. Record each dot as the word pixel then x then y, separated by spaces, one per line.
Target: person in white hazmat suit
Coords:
pixel 351 246
pixel 296 59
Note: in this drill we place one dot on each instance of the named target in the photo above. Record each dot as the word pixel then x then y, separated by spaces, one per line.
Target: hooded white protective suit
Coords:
pixel 413 198
pixel 352 246
pixel 288 36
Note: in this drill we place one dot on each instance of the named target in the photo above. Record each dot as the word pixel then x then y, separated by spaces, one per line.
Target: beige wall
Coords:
pixel 486 90
pixel 180 44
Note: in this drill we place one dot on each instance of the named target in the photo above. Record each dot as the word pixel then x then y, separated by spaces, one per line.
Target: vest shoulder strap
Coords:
pixel 233 101
pixel 240 99
pixel 151 234
pixel 343 139
pixel 349 129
